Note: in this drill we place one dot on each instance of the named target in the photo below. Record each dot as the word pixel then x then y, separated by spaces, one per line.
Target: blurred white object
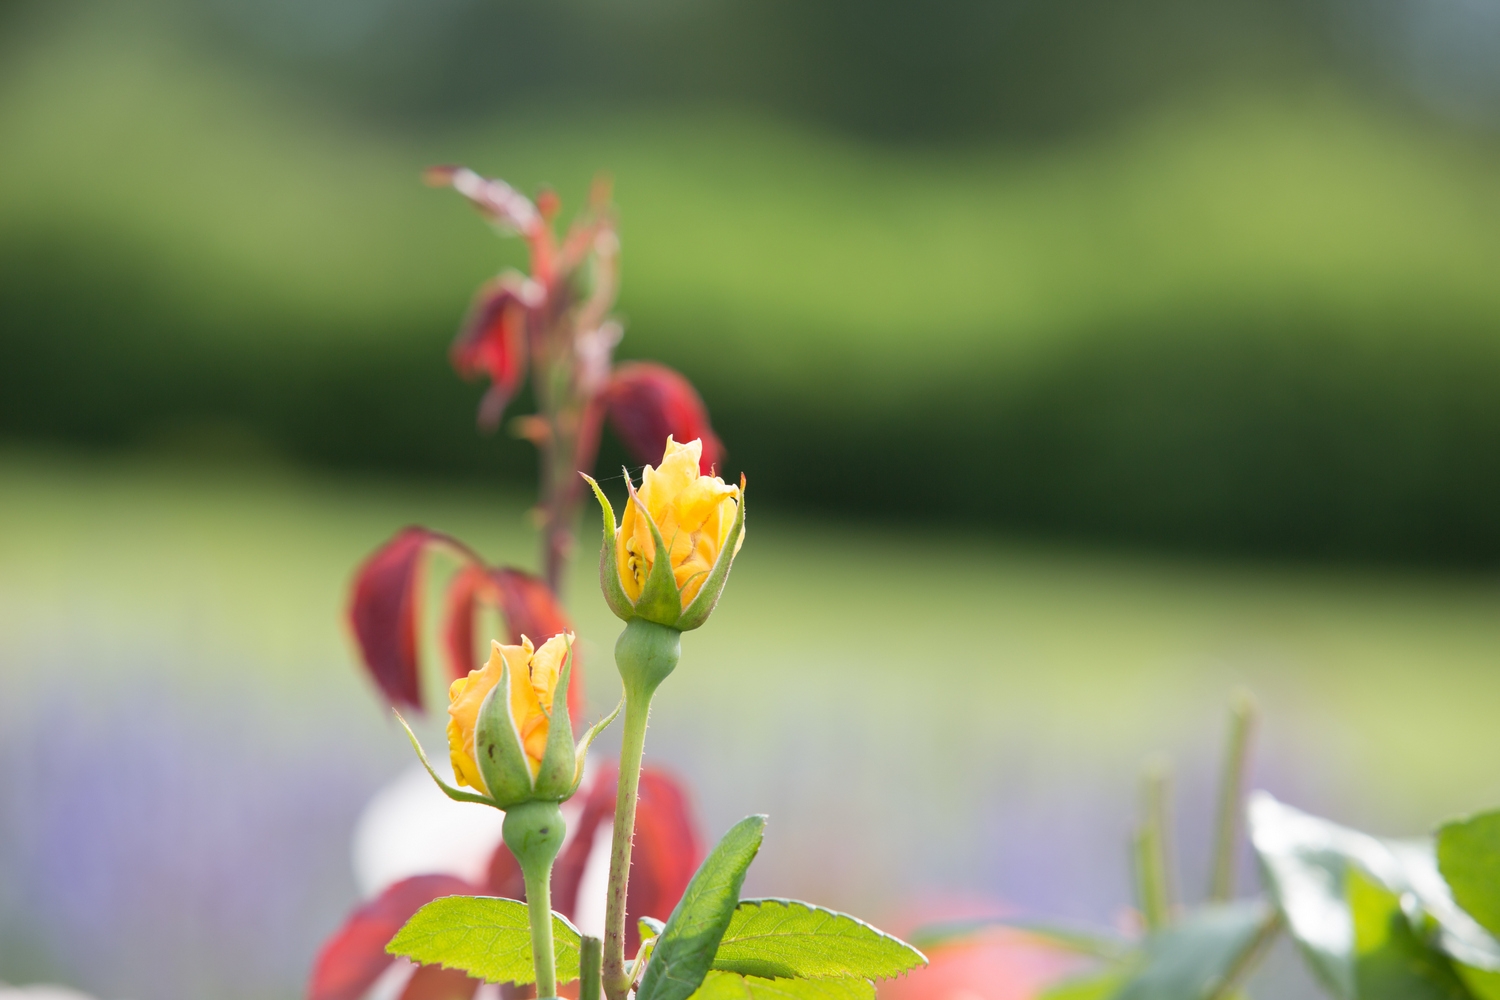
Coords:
pixel 411 828
pixel 40 991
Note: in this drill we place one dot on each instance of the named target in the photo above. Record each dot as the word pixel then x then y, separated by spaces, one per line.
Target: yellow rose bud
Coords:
pixel 697 521
pixel 533 676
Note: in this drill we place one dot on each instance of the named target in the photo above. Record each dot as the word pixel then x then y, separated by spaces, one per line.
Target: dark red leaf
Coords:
pixel 433 982
pixel 667 847
pixel 354 957
pixel 492 341
pixel 460 605
pixel 383 612
pixel 598 811
pixel 667 851
pixel 530 609
pixel 647 401
pixel 505 878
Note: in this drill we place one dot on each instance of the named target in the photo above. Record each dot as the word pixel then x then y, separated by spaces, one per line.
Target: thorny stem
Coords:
pixel 1242 718
pixel 633 744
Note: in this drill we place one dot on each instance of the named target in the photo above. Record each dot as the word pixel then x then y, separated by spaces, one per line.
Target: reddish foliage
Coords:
pixel 492 342
pixel 386 600
pixel 383 612
pixel 667 849
pixel 667 852
pixel 526 604
pixel 355 956
pixel 647 401
pixel 433 982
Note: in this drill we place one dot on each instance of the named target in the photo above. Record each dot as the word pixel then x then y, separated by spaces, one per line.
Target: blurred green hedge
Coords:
pixel 1261 323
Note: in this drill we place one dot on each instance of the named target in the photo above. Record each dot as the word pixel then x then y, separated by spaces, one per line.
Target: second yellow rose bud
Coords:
pixel 504 737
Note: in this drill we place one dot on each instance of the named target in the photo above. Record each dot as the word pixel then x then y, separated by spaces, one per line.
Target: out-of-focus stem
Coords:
pixel 615 976
pixel 1242 718
pixel 1153 848
pixel 590 953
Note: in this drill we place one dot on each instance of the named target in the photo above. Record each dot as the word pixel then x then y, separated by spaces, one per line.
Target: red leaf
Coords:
pixel 354 957
pixel 492 341
pixel 462 602
pixel 530 609
pixel 647 401
pixel 667 851
pixel 383 612
pixel 667 847
pixel 598 810
pixel 526 604
pixel 505 878
pixel 433 982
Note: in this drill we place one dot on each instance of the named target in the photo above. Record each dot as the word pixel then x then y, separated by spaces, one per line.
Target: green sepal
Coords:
pixel 660 600
pixel 708 595
pixel 581 753
pixel 497 747
pixel 560 759
pixel 448 790
pixel 609 564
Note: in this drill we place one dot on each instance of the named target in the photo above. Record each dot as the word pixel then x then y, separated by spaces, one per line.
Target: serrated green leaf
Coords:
pixel 685 950
pixel 1083 940
pixel 1392 962
pixel 1096 986
pixel 1468 854
pixel 789 939
pixel 733 986
pixel 1204 955
pixel 485 936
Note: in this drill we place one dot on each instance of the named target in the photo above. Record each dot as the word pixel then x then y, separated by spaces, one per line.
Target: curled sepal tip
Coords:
pixel 455 794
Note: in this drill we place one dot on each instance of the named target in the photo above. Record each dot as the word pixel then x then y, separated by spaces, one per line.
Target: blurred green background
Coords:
pixel 1086 359
pixel 1221 277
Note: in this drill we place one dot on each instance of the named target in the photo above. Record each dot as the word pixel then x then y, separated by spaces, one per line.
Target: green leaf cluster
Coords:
pixel 713 947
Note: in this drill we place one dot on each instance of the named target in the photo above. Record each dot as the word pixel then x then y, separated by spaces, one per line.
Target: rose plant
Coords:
pixel 663 568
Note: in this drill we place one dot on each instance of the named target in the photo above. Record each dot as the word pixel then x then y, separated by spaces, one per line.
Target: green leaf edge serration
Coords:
pixel 564 932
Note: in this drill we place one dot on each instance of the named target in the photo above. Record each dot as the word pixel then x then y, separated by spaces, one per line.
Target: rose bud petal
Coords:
pixel 676 585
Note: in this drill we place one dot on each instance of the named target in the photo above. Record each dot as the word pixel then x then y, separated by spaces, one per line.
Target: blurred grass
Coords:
pixel 930 649
pixel 1254 320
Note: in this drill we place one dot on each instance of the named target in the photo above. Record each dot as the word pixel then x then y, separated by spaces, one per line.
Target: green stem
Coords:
pixel 534 832
pixel 1153 849
pixel 632 747
pixel 590 952
pixel 1242 715
pixel 539 905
